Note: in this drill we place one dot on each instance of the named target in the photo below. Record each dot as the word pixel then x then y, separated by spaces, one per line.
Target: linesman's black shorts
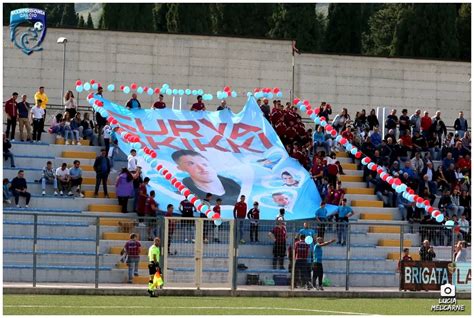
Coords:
pixel 153 268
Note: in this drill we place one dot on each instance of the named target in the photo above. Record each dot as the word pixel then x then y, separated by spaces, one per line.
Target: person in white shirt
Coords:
pixel 132 161
pixel 64 179
pixel 464 228
pixel 70 104
pixel 107 133
pixel 37 114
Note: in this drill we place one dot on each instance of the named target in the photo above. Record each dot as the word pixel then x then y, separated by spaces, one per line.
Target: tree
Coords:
pixel 101 23
pixel 81 22
pixel 426 30
pixel 463 23
pixel 54 14
pixel 299 22
pixel 377 40
pixel 159 17
pixel 343 32
pixel 69 17
pixel 90 23
pixel 193 18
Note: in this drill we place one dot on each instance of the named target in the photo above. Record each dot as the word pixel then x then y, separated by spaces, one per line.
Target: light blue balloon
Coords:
pixel 87 86
pixel 449 224
pixel 187 91
pixel 270 95
pixel 233 94
pixel 200 92
pixel 126 89
pixel 218 222
pixel 149 159
pixel 123 133
pixel 279 94
pixel 165 86
pixel 317 120
pixel 154 163
pixel 248 94
pixel 411 198
pixel 403 187
pixel 353 151
pixel 440 218
pixel 312 116
pixel 419 205
pixel 210 96
pixel 348 146
pixel 197 203
pixel 95 86
pixel 398 189
pixel 137 145
pixel 169 91
pixel 194 92
pixel 308 240
pixel 394 186
pixel 150 91
pixel 175 91
pixel 111 87
pixel 324 123
pixel 79 88
pixel 140 152
pixel 181 92
pixel 140 90
pixel 204 97
pixel 338 138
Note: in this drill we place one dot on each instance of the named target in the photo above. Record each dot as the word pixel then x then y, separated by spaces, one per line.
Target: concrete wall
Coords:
pixel 210 63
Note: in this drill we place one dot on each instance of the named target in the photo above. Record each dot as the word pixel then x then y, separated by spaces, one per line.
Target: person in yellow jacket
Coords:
pixel 40 95
pixel 154 267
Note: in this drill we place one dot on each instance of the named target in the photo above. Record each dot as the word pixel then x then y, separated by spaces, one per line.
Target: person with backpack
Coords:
pixel 187 210
pixel 132 249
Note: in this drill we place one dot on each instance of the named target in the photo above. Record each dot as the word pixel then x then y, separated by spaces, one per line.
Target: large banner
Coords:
pixel 222 153
pixel 462 276
pixel 418 275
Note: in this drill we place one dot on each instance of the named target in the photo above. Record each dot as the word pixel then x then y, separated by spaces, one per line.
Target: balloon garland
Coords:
pixel 396 183
pixel 150 157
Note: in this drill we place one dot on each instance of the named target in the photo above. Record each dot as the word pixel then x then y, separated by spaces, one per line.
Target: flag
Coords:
pixel 293 48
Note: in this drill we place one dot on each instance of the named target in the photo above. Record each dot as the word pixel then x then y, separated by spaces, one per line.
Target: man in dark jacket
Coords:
pixel 426 252
pixel 19 187
pixel 12 112
pixel 102 170
pixel 6 151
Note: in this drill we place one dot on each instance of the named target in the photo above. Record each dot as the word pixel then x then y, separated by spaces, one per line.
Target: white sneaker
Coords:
pixel 8 201
pixel 113 170
pixel 12 140
pixel 79 143
pixel 81 195
pixel 43 193
pixel 70 193
pixel 67 142
pixel 55 193
pixel 141 224
pixel 26 206
pixel 18 206
pixel 61 193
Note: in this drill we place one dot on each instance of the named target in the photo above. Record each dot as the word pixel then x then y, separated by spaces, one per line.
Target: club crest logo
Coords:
pixel 30 39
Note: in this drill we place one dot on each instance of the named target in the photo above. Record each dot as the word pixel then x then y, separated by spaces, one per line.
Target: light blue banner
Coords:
pixel 462 276
pixel 222 153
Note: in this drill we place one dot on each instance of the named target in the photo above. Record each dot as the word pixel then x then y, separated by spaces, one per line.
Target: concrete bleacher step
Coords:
pixel 342 154
pixel 361 197
pixel 347 178
pixel 376 216
pixel 61 141
pixel 91 180
pixel 116 236
pixel 104 208
pixel 349 166
pixel 367 203
pixel 368 191
pixel 79 154
pixel 113 221
pixel 118 249
pixel 386 242
pixel 51 150
pixel 384 229
pixel 396 256
pixel 141 280
pixel 90 194
pixel 141 265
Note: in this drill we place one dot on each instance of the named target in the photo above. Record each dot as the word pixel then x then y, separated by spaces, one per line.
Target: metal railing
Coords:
pixel 211 254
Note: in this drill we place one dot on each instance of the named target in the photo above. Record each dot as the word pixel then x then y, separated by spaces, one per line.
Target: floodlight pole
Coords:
pixel 292 95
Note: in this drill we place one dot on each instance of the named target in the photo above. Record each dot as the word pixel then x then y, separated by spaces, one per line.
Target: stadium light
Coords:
pixel 63 41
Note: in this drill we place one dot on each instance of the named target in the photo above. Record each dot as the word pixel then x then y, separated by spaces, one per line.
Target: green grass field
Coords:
pixel 134 305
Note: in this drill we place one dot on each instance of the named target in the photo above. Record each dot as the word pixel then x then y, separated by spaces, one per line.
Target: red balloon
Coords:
pixel 133 86
pixel 90 95
pixel 411 191
pixel 145 88
pixel 153 155
pixel 398 181
pixel 426 203
pixel 390 181
pixel 181 187
pixel 157 90
pixel 358 154
pixel 256 90
pixel 379 170
pixel 99 103
pixel 384 178
pixel 173 181
pixel 343 140
pixel 216 216
pixel 276 90
pixel 430 209
pixel 322 117
pixel 435 213
pixel 200 206
pixel 226 89
pixel 309 112
pixel 419 199
pixel 168 176
pixel 306 102
pixel 187 192
pixel 266 90
pixel 229 93
pixel 296 101
pixel 92 82
pixel 316 111
pixel 457 229
pixel 164 171
pixel 334 134
pixel 122 87
pixel 193 200
pixel 328 127
pixel 78 82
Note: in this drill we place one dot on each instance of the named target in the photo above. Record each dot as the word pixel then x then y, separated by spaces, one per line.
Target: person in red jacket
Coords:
pixel 199 105
pixel 426 123
pixel 240 212
pixel 12 112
